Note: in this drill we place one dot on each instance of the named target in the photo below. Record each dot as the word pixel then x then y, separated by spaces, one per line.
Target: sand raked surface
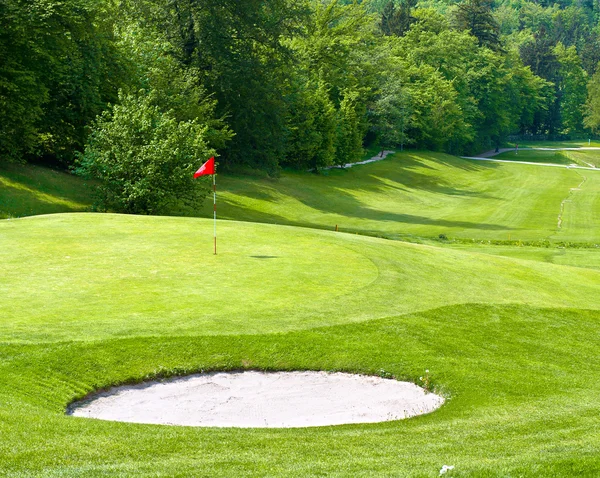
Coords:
pixel 263 400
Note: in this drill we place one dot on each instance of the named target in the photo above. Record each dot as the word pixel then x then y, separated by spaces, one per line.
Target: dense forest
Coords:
pixel 137 92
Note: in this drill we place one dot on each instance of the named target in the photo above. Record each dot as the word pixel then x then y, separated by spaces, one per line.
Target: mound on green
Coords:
pixel 27 190
pixel 424 195
pixel 91 301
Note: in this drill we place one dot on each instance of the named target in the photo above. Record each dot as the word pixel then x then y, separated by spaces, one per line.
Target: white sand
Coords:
pixel 257 399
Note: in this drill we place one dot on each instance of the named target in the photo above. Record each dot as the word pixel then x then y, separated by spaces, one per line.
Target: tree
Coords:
pixel 475 16
pixel 396 20
pixel 571 88
pixel 312 127
pixel 350 128
pixel 392 115
pixel 592 106
pixel 59 68
pixel 144 158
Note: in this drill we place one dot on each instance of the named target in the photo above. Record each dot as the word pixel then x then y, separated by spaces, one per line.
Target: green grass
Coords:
pixel 95 300
pixel 586 158
pixel 509 334
pixel 419 194
pixel 264 279
pixel 576 143
pixel 537 156
pixel 26 190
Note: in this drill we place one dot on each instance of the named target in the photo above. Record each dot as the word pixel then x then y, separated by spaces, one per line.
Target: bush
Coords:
pixel 144 158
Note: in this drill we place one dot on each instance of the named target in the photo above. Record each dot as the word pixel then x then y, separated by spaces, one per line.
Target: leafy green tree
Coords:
pixel 592 106
pixel 237 50
pixel 475 16
pixel 571 88
pixel 392 115
pixel 351 126
pixel 312 128
pixel 396 19
pixel 144 158
pixel 59 68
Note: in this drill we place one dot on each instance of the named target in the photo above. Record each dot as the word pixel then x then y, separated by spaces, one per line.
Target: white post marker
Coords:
pixel 215 209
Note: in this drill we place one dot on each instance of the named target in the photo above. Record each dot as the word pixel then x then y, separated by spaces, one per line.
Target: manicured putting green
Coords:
pixel 90 276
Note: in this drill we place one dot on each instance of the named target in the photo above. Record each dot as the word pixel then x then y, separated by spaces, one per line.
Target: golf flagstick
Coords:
pixel 215 209
pixel 208 168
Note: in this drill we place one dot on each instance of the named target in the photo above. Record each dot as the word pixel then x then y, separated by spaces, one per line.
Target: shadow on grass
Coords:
pixel 339 192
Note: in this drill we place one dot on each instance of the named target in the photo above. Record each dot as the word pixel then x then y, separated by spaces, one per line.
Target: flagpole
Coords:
pixel 215 209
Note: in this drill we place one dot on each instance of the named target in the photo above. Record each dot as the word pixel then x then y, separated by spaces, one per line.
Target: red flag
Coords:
pixel 206 168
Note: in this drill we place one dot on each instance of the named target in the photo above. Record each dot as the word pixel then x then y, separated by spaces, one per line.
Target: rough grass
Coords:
pixel 586 158
pixel 520 382
pixel 537 156
pixel 26 190
pixel 418 194
pixel 576 143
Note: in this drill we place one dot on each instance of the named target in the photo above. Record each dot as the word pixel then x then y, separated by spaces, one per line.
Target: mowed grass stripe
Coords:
pixel 92 276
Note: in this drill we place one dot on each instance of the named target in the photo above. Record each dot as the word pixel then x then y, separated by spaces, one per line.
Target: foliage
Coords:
pixel 475 16
pixel 60 68
pixel 592 106
pixel 145 158
pixel 300 83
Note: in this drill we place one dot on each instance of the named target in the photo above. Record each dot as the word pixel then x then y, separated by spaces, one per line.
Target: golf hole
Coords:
pixel 253 399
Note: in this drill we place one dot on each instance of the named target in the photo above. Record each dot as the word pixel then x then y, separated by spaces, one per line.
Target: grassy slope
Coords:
pixel 537 156
pixel 420 194
pixel 576 143
pixel 26 190
pixel 510 348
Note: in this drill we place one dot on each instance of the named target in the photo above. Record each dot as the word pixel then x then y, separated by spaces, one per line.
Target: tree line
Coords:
pixel 136 92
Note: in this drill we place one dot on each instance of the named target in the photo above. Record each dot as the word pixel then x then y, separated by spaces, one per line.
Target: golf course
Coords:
pixel 476 280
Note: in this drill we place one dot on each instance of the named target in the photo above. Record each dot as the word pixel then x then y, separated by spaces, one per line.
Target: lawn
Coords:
pixel 94 300
pixel 508 332
pixel 537 156
pixel 575 143
pixel 26 190
pixel 584 157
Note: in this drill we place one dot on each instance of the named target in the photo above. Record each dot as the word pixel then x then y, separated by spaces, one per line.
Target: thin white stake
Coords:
pixel 215 208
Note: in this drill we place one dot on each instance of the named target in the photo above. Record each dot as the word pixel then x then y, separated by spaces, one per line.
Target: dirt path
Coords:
pixel 379 157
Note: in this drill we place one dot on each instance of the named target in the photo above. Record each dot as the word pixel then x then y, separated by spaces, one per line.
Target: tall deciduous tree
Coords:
pixel 592 106
pixel 475 16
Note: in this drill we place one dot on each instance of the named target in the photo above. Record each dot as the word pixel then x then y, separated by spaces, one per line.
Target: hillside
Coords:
pixel 422 194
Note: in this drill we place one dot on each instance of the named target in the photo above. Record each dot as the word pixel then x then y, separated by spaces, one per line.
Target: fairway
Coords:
pixel 422 194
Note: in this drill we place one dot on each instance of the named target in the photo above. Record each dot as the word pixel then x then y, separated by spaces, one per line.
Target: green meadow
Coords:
pixel 503 312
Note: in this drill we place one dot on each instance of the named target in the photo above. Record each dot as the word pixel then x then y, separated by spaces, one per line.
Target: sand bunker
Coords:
pixel 257 399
